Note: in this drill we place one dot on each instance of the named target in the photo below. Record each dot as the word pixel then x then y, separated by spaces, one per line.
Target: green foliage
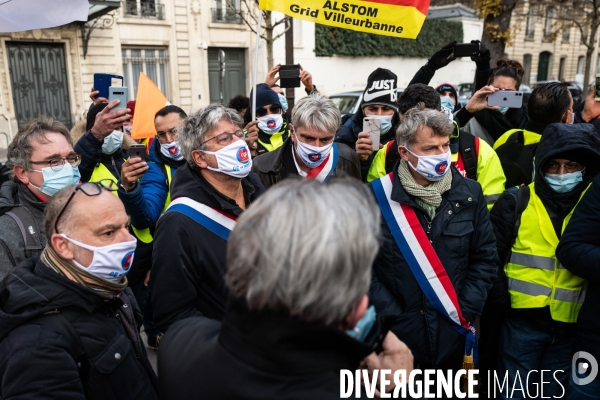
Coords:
pixel 435 34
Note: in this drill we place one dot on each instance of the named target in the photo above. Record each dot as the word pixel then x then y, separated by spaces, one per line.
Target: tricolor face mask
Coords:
pixel 110 262
pixel 233 159
pixel 312 156
pixel 171 150
pixel 433 168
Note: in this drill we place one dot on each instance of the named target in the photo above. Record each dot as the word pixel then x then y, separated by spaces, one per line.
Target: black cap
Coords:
pixel 447 87
pixel 381 89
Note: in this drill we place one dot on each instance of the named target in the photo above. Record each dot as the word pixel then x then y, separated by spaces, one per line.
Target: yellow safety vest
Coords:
pixel 528 136
pixel 275 140
pixel 101 173
pixel 535 277
pixel 144 235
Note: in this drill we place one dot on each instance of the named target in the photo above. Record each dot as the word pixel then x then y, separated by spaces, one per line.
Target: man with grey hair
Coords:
pixel 309 152
pixel 209 192
pixel 439 258
pixel 289 327
pixel 42 160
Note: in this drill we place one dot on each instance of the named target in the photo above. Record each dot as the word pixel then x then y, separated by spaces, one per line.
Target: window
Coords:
pixel 527 68
pixel 530 25
pixel 227 12
pixel 580 62
pixel 561 69
pixel 548 22
pixel 566 36
pixel 144 9
pixel 152 62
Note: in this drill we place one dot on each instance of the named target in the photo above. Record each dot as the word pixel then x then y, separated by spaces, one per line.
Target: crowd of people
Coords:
pixel 262 256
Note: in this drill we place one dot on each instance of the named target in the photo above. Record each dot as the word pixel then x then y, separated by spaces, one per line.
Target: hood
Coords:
pixel 34 289
pixel 578 142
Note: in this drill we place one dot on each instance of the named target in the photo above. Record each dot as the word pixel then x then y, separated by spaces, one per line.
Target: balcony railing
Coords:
pixel 144 9
pixel 226 16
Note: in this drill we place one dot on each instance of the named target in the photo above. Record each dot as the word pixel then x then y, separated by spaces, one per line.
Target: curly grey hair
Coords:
pixel 418 117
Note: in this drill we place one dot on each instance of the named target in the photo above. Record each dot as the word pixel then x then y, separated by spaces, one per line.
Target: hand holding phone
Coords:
pixel 466 49
pixel 118 93
pixel 372 125
pixel 138 150
pixel 506 98
pixel 289 75
pixel 597 88
pixel 103 81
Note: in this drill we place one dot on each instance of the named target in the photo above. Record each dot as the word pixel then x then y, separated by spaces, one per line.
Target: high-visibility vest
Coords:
pixel 529 137
pixel 100 173
pixel 535 277
pixel 144 235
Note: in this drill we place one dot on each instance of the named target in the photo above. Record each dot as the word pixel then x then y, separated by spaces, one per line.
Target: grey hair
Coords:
pixel 21 148
pixel 316 262
pixel 418 117
pixel 316 112
pixel 199 124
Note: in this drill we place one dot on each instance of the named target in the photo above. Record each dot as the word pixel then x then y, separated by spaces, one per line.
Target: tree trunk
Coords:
pixel 591 45
pixel 496 30
pixel 269 38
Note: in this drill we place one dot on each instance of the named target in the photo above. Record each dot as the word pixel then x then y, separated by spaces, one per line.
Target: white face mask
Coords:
pixel 110 262
pixel 233 159
pixel 112 142
pixel 433 168
pixel 312 156
pixel 171 150
pixel 270 123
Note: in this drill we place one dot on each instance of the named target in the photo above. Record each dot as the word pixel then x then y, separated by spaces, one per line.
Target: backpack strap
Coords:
pixel 29 230
pixel 523 195
pixel 468 152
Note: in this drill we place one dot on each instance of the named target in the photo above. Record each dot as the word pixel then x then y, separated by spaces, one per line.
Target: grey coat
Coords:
pixel 12 246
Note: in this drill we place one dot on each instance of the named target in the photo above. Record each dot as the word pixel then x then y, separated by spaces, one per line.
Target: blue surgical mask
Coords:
pixel 503 110
pixel 56 180
pixel 447 102
pixel 283 102
pixel 564 183
pixel 385 121
pixel 112 142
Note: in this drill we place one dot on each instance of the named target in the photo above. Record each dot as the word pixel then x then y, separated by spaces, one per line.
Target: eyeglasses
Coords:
pixel 554 167
pixel 172 132
pixel 58 163
pixel 261 112
pixel 224 138
pixel 89 189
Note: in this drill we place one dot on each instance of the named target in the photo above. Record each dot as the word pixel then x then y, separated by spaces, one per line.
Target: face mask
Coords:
pixel 127 129
pixel 283 101
pixel 312 156
pixel 386 122
pixel 56 180
pixel 171 150
pixel 110 262
pixel 270 124
pixel 112 142
pixel 447 102
pixel 433 168
pixel 503 110
pixel 233 159
pixel 564 183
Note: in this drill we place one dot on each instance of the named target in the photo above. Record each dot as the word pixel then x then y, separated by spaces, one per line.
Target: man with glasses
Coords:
pixel 42 160
pixel 208 193
pixel 70 327
pixel 147 199
pixel 542 297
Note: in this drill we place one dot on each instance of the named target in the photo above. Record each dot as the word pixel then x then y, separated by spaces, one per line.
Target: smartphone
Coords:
pixel 373 126
pixel 138 150
pixel 289 75
pixel 506 98
pixel 118 93
pixel 466 49
pixel 103 81
pixel 597 88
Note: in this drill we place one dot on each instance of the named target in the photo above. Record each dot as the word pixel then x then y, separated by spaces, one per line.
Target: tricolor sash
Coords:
pixel 216 222
pixel 323 172
pixel 422 259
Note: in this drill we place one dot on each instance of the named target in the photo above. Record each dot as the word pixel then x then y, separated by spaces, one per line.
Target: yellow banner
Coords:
pixel 399 18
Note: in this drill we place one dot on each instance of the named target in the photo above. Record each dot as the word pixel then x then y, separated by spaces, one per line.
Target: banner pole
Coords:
pixel 256 64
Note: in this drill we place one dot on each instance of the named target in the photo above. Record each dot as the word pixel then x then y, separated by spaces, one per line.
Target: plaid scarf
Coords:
pixel 73 272
pixel 429 197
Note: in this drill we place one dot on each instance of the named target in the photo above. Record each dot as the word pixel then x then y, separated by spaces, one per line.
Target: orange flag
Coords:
pixel 149 100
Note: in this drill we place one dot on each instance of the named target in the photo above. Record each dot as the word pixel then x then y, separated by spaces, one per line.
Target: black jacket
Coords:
pixel 188 265
pixel 579 252
pixel 279 164
pixel 257 355
pixel 37 363
pixel 90 150
pixel 462 236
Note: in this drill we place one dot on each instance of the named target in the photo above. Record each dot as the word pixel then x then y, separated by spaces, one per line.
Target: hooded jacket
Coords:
pixel 36 363
pixel 12 245
pixel 462 237
pixel 188 265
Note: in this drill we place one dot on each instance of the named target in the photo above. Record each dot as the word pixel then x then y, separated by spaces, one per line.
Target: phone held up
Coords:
pixel 138 150
pixel 103 81
pixel 372 125
pixel 597 88
pixel 289 75
pixel 506 98
pixel 118 93
pixel 466 49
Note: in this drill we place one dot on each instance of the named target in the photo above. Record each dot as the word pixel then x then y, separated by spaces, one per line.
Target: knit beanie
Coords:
pixel 381 89
pixel 264 95
pixel 92 112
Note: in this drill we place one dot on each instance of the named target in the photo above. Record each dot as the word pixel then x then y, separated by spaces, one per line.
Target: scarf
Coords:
pixel 72 272
pixel 496 124
pixel 429 197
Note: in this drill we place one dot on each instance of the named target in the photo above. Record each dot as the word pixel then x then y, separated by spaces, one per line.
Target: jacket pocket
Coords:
pixel 455 239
